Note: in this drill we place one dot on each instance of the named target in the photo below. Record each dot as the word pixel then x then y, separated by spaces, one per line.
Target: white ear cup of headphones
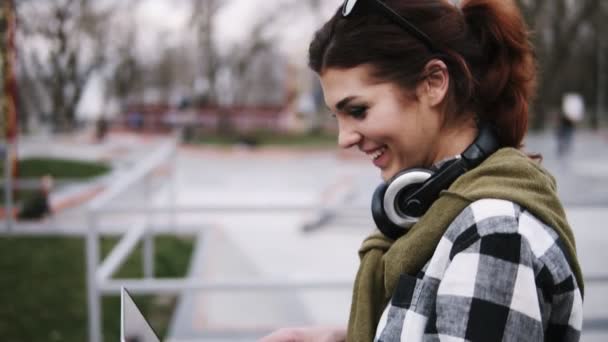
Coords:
pixel 401 183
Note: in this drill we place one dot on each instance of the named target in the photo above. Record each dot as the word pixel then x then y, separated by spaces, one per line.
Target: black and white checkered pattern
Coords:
pixel 498 274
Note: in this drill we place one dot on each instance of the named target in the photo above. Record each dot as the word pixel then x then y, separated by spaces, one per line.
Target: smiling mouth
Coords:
pixel 377 153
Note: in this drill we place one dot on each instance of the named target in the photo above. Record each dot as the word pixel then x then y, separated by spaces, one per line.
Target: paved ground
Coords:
pixel 275 245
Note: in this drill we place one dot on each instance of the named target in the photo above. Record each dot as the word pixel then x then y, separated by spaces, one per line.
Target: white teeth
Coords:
pixel 377 153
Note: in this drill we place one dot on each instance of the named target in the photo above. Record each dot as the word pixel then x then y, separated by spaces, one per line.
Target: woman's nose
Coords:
pixel 348 137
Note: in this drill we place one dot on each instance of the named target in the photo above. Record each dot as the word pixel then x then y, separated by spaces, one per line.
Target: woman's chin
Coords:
pixel 387 175
pixel 390 171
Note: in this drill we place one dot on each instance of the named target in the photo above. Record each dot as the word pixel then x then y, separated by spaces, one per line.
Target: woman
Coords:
pixel 480 249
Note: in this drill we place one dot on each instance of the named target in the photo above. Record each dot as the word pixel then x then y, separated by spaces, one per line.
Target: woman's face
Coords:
pixel 395 130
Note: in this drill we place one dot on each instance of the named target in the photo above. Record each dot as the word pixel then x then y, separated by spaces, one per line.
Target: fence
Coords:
pixel 100 272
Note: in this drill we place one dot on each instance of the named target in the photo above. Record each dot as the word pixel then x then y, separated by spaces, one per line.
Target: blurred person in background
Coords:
pixel 101 128
pixel 573 111
pixel 473 242
pixel 38 205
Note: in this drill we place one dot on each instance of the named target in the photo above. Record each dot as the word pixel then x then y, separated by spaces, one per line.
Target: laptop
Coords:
pixel 133 325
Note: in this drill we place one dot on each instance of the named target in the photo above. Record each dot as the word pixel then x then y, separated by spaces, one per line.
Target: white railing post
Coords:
pixel 93 293
pixel 95 209
pixel 148 242
pixel 173 188
pixel 8 186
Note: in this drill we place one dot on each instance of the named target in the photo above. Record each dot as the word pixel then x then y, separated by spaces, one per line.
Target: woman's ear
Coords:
pixel 434 86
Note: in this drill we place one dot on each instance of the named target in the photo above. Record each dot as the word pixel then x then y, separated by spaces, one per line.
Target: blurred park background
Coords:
pixel 199 121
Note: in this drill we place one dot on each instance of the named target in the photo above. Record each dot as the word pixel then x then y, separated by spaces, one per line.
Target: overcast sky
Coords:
pixel 167 19
pixel 233 22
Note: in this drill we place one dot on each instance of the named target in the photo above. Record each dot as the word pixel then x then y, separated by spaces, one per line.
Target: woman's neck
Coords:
pixel 455 140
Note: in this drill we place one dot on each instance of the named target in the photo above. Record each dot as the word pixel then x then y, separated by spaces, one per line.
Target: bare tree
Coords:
pixel 70 35
pixel 253 63
pixel 202 21
pixel 559 32
pixel 601 65
pixel 168 76
pixel 242 70
pixel 123 74
pixel 30 99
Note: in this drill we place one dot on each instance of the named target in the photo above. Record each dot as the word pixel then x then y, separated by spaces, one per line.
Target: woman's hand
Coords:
pixel 309 334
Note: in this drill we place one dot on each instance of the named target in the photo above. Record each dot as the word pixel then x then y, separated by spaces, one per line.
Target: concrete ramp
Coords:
pixel 235 315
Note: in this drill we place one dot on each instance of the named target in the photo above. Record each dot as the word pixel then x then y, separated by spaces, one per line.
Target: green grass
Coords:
pixel 271 139
pixel 43 288
pixel 59 168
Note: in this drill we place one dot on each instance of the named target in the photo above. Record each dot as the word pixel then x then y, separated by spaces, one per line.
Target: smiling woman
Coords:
pixel 473 243
pixel 396 130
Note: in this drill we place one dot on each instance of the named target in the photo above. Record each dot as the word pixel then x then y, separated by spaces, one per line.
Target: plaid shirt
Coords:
pixel 498 274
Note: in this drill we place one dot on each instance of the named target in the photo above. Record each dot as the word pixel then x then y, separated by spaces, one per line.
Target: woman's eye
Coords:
pixel 357 112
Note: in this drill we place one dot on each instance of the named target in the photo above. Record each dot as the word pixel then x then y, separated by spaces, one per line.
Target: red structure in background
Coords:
pixel 8 98
pixel 242 119
pixel 277 113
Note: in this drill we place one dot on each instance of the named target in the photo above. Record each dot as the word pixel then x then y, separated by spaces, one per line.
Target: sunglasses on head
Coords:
pixel 349 6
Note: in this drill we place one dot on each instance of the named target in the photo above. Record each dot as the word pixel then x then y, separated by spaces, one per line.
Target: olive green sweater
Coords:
pixel 507 174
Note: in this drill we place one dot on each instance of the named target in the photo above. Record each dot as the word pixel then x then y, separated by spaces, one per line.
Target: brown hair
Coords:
pixel 485 45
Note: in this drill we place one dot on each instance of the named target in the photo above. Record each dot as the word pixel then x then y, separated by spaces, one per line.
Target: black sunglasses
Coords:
pixel 349 5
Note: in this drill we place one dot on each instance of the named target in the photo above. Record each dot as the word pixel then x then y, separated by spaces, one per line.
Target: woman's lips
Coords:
pixel 379 156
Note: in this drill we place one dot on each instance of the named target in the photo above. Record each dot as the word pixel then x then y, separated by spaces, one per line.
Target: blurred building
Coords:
pixel 265 96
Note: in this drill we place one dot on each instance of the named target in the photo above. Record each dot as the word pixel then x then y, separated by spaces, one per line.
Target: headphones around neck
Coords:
pixel 400 202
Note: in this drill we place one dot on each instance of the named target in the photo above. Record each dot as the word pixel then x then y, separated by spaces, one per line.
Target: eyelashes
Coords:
pixel 357 112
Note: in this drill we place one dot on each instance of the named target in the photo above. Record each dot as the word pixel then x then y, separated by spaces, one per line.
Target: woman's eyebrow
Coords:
pixel 344 102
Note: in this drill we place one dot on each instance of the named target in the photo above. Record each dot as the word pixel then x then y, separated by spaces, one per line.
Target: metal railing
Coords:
pixel 100 272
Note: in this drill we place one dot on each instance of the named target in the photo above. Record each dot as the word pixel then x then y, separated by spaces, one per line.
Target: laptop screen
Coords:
pixel 133 325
